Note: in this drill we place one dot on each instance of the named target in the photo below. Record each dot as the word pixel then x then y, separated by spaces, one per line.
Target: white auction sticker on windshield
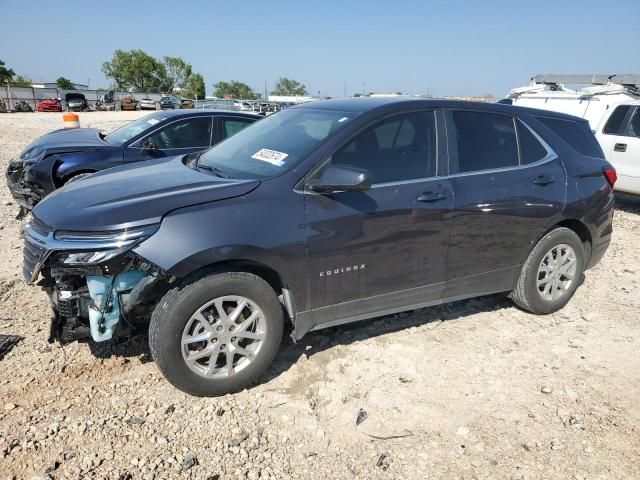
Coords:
pixel 272 156
pixel 153 121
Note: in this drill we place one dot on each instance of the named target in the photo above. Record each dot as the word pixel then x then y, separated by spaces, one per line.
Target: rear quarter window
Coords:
pixel 531 150
pixel 576 134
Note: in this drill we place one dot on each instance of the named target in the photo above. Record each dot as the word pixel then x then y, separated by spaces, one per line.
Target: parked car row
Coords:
pixel 77 102
pixel 318 215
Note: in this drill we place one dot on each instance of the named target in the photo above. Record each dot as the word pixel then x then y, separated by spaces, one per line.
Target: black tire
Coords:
pixel 174 310
pixel 526 293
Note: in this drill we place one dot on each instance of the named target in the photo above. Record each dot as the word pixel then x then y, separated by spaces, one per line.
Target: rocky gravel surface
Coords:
pixel 475 389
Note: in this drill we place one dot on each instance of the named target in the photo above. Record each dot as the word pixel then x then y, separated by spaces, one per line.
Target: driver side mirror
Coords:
pixel 148 145
pixel 341 178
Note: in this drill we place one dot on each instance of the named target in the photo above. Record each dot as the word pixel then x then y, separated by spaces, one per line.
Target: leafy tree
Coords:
pixel 288 87
pixel 65 83
pixel 356 95
pixel 135 70
pixel 194 87
pixel 20 81
pixel 5 73
pixel 177 73
pixel 235 89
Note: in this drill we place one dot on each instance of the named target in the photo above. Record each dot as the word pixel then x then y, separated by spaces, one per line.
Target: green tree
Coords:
pixel 65 83
pixel 234 89
pixel 5 73
pixel 135 70
pixel 177 72
pixel 20 81
pixel 194 87
pixel 288 87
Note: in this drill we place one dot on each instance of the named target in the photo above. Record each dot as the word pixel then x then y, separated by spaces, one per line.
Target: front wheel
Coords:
pixel 216 334
pixel 552 272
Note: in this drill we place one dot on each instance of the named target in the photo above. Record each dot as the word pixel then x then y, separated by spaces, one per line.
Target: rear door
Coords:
pixel 509 186
pixel 183 136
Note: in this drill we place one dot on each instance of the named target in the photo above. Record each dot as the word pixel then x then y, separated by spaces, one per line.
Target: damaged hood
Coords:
pixel 133 195
pixel 64 140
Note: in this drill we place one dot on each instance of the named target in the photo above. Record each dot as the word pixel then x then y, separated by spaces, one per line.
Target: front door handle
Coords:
pixel 620 147
pixel 544 180
pixel 430 197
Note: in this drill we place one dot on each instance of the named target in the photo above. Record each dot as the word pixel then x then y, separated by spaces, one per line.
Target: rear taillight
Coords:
pixel 610 175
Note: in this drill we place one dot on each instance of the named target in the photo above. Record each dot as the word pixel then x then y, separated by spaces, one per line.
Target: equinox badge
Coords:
pixel 337 271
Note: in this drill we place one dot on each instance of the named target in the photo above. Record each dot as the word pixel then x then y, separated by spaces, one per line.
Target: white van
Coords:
pixel 611 104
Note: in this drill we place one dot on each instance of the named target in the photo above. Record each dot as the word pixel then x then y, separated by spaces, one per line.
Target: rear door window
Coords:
pixel 614 124
pixel 484 141
pixel 531 150
pixel 576 134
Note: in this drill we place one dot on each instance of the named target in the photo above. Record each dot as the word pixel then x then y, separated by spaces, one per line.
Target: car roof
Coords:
pixel 191 112
pixel 368 104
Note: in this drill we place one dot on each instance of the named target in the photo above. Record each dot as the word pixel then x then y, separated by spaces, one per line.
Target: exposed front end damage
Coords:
pixel 98 289
pixel 25 192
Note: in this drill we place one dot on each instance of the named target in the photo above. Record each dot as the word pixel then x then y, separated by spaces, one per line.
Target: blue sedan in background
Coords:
pixel 63 156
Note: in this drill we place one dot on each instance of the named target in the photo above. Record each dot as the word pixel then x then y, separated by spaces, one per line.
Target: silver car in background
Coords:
pixel 147 104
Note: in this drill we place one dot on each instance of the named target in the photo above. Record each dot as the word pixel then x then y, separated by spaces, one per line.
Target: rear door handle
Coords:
pixel 620 147
pixel 430 197
pixel 544 180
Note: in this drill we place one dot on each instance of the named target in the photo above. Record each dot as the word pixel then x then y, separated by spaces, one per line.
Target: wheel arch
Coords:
pixel 576 226
pixel 269 274
pixel 583 233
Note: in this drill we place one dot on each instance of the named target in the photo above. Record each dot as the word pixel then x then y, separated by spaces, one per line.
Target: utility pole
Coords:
pixel 345 89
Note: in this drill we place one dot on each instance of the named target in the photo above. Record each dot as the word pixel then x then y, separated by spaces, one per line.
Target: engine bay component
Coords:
pixel 105 309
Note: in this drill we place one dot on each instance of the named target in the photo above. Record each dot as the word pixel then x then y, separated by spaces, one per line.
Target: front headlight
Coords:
pixel 92 248
pixel 89 258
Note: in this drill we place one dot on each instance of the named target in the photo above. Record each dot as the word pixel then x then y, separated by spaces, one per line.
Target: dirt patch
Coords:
pixel 474 389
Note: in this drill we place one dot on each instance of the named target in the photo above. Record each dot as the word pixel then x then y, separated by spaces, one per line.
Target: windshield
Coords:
pixel 125 133
pixel 275 144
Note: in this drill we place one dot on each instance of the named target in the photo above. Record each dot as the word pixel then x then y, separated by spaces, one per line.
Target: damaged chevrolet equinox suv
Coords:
pixel 321 214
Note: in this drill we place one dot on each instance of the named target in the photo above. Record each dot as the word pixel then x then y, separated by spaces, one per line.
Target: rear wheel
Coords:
pixel 552 272
pixel 217 333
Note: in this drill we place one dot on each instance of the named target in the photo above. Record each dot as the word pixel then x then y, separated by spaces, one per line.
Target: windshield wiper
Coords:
pixel 214 170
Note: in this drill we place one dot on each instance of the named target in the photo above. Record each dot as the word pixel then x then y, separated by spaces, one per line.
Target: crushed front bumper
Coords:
pixel 26 194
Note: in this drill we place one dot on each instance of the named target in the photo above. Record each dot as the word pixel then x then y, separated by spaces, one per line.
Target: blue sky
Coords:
pixel 445 47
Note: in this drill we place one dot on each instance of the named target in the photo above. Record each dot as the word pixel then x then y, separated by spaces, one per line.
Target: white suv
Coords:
pixel 611 105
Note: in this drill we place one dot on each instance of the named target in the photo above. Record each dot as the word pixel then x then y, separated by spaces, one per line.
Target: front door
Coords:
pixel 384 248
pixel 625 154
pixel 177 138
pixel 509 186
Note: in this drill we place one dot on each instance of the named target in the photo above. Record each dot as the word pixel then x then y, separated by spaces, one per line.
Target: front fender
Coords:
pixel 260 229
pixel 69 164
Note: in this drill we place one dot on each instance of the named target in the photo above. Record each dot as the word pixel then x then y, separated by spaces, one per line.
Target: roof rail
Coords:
pixel 628 79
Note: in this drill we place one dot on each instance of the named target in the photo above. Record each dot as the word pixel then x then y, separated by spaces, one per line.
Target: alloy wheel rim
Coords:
pixel 223 337
pixel 556 272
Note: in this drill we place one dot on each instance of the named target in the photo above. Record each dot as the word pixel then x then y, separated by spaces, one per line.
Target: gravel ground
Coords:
pixel 475 389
